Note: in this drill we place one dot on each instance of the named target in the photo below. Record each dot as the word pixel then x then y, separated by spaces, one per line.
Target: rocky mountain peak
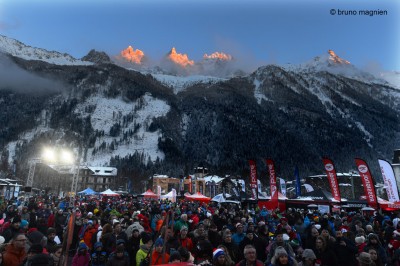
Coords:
pixel 97 57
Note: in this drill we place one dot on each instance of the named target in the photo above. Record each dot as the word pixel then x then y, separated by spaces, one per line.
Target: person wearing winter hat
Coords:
pixel 360 243
pixel 24 225
pixel 279 242
pixel 51 244
pixel 158 257
pixel 308 258
pixel 82 257
pixel 239 235
pixel 99 256
pixel 13 229
pixel 184 240
pixel 219 258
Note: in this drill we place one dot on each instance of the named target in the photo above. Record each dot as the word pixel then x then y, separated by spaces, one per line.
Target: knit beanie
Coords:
pixel 23 223
pixel 309 254
pixel 82 245
pixel 159 242
pixel 360 239
pixel 218 252
pixel 280 251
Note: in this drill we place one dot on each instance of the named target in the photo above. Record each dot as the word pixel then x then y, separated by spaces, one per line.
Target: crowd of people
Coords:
pixel 140 232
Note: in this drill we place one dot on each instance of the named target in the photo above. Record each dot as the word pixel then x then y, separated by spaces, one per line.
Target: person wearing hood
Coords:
pixel 144 248
pixel 373 242
pixel 345 250
pixel 135 225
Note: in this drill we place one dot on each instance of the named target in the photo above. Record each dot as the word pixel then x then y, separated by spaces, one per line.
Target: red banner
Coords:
pixel 332 178
pixel 368 183
pixel 272 183
pixel 253 179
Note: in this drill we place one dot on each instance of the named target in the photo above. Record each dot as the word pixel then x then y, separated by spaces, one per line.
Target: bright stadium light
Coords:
pixel 49 155
pixel 66 157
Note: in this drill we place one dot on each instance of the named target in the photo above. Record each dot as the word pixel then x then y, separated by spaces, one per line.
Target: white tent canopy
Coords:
pixel 109 192
pixel 169 195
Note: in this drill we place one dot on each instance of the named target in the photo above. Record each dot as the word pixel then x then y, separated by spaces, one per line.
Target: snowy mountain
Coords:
pixel 179 84
pixel 334 64
pixel 158 123
pixel 18 49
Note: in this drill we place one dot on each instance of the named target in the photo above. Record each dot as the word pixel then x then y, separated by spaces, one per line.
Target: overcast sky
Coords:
pixel 255 32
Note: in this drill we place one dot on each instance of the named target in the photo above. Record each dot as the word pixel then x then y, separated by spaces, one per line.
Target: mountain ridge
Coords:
pixel 132 121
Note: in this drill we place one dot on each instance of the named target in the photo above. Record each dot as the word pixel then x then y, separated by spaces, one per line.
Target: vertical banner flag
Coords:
pixel 389 180
pixel 282 183
pixel 173 195
pixel 190 184
pixel 332 178
pixel 368 183
pixel 159 192
pixel 298 184
pixel 272 180
pixel 253 179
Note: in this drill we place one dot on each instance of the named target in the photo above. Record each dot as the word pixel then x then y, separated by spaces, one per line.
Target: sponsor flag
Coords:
pixel 159 192
pixel 173 195
pixel 282 183
pixel 332 178
pixel 298 184
pixel 389 180
pixel 272 180
pixel 69 234
pixel 253 179
pixel 190 184
pixel 368 183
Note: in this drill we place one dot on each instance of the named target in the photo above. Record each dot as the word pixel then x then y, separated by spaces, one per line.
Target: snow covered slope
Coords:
pixel 179 83
pixel 18 49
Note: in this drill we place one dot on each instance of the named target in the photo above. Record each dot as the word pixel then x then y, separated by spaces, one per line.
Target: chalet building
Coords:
pixel 97 178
